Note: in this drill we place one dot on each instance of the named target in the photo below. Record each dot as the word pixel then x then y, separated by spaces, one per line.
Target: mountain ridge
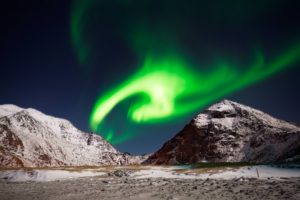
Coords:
pixel 230 132
pixel 29 138
pixel 225 132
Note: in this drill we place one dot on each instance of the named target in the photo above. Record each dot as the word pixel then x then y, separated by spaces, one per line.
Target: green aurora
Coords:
pixel 168 86
pixel 163 87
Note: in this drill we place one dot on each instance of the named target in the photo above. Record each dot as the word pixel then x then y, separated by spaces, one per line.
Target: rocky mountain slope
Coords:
pixel 231 132
pixel 29 138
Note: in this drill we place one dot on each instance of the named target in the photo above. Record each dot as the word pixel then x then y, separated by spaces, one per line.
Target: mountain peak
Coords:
pixel 230 132
pixel 228 105
pixel 30 138
pixel 9 109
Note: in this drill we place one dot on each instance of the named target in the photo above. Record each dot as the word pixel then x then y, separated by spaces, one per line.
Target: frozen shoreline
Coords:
pixel 261 171
pixel 172 172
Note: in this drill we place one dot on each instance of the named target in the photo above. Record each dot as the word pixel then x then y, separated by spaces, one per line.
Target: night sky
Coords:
pixel 60 57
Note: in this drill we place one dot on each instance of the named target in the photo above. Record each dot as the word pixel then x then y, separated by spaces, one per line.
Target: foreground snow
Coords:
pixel 176 172
pixel 226 173
pixel 45 175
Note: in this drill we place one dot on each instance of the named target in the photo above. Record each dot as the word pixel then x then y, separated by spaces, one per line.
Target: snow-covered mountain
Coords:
pixel 29 138
pixel 231 132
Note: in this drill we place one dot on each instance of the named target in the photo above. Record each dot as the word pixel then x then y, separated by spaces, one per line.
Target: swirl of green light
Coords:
pixel 164 83
pixel 169 83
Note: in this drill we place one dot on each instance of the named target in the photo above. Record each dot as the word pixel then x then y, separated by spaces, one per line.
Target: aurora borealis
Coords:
pixel 163 86
pixel 135 72
pixel 167 85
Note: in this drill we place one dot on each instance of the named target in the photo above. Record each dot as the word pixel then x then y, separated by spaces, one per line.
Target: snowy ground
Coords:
pixel 177 172
pixel 45 175
pixel 261 171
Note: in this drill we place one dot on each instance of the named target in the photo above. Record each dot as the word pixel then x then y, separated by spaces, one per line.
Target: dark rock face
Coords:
pixel 231 132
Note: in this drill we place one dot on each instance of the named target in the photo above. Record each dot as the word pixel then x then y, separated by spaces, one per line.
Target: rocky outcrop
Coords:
pixel 231 132
pixel 29 138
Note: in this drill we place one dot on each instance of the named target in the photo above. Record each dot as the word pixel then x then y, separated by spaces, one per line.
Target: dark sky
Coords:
pixel 40 66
